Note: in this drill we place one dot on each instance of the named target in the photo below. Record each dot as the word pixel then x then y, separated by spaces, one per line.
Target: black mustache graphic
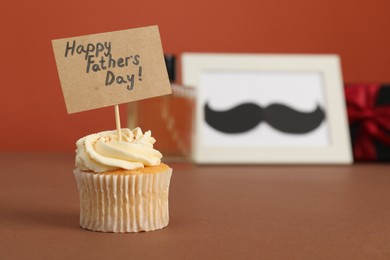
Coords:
pixel 245 117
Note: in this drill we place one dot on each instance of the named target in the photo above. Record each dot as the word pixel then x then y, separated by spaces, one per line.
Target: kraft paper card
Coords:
pixel 105 69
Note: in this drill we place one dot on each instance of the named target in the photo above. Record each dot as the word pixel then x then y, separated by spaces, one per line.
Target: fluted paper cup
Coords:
pixel 123 202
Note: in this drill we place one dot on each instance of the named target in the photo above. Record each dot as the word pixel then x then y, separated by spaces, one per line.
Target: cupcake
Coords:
pixel 123 185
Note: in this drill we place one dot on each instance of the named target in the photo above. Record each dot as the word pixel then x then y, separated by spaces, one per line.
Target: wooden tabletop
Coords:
pixel 216 212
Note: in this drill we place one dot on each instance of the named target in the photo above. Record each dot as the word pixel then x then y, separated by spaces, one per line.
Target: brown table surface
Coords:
pixel 216 212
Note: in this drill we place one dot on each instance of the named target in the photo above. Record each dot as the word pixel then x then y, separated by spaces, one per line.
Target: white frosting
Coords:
pixel 102 151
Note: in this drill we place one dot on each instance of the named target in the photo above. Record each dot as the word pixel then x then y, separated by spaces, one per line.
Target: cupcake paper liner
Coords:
pixel 123 203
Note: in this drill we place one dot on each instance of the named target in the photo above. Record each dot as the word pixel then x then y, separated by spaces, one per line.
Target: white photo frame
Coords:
pixel 298 83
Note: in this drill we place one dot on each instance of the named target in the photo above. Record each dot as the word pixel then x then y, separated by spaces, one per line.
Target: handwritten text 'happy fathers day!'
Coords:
pixel 98 58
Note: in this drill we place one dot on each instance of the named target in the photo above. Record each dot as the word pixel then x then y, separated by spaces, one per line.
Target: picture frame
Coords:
pixel 268 108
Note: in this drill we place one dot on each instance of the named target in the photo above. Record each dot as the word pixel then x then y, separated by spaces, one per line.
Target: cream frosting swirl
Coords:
pixel 103 151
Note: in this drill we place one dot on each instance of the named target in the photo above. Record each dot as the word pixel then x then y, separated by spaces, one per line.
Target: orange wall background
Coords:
pixel 32 109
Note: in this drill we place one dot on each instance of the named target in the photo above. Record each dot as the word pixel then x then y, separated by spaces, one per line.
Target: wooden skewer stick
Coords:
pixel 118 123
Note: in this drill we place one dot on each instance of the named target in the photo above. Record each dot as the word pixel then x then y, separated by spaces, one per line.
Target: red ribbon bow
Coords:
pixel 373 120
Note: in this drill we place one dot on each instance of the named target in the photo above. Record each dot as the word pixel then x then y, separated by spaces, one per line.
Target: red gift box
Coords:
pixel 368 108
